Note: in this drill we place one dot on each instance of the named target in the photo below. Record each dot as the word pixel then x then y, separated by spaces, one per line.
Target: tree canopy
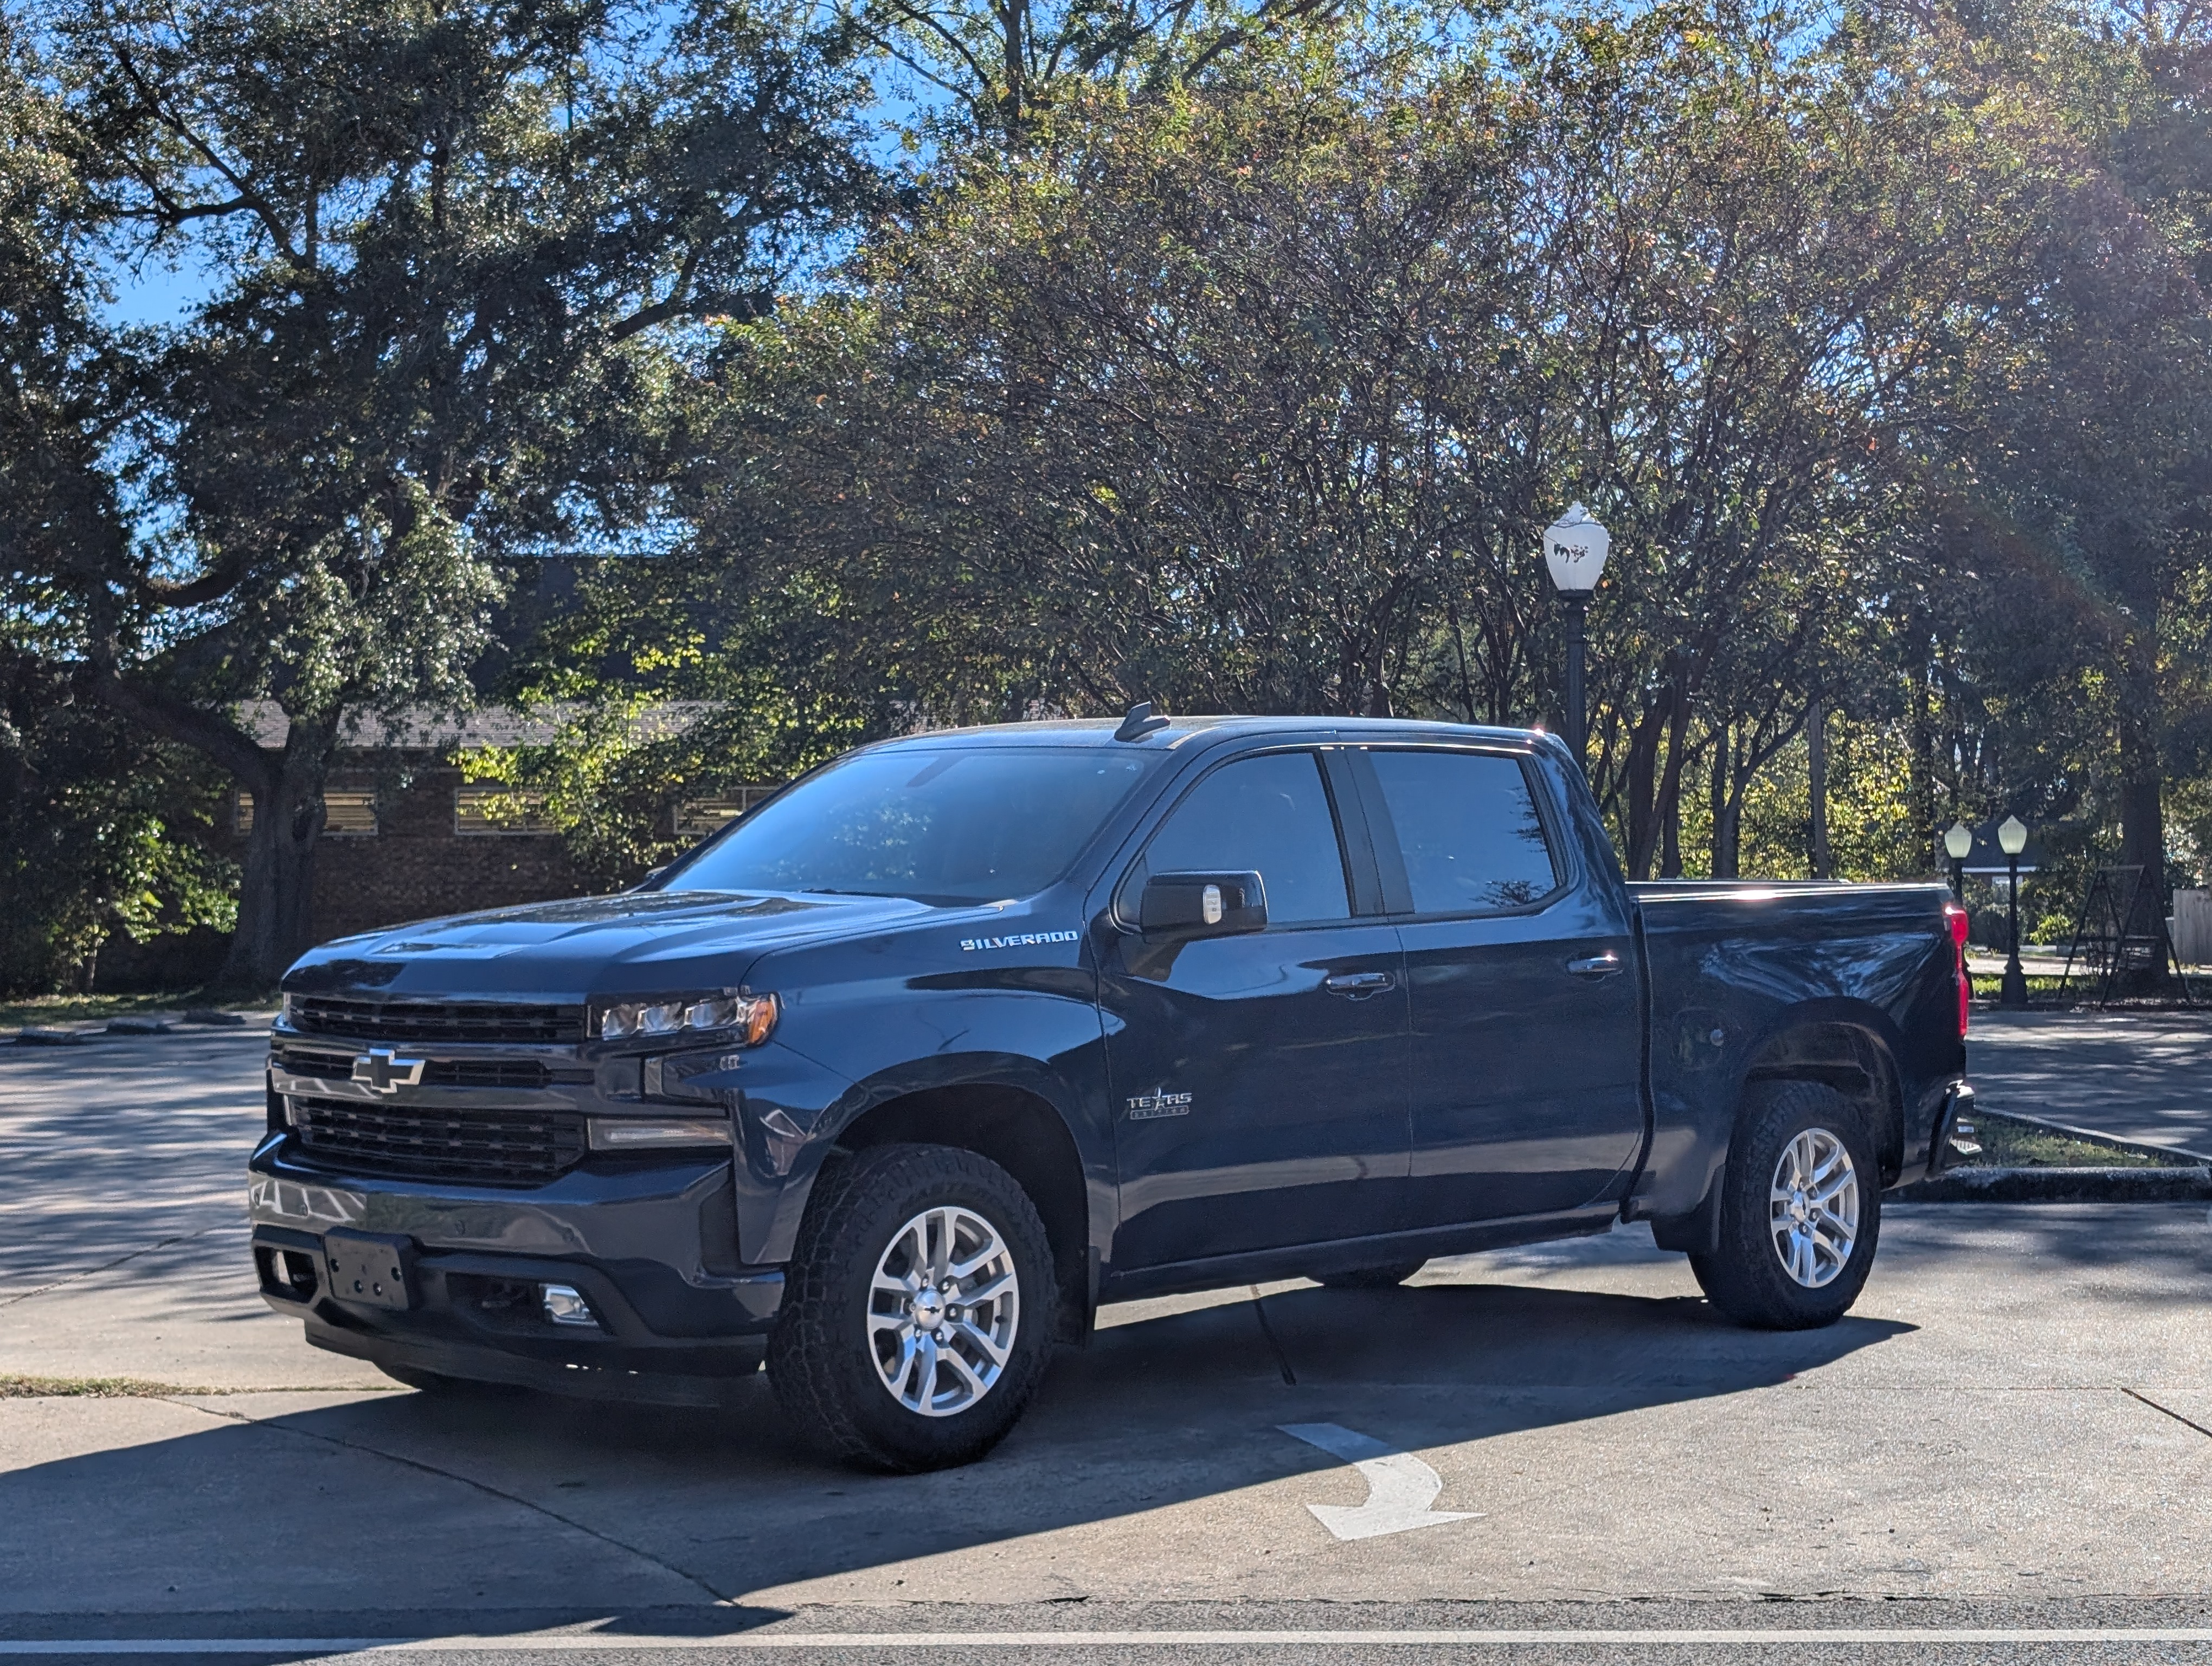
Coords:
pixel 1228 355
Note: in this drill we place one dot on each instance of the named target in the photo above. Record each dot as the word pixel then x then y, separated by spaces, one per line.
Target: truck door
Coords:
pixel 1526 1026
pixel 1259 1081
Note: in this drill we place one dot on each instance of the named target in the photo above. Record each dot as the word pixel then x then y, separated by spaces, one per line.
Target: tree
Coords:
pixel 2079 451
pixel 457 249
pixel 1002 67
pixel 1257 395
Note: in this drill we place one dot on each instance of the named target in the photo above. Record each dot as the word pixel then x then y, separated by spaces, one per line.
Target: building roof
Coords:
pixel 431 728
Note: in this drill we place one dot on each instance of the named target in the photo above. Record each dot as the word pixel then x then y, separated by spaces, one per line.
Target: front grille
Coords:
pixel 485 1073
pixel 496 1147
pixel 438 1073
pixel 328 1066
pixel 436 1020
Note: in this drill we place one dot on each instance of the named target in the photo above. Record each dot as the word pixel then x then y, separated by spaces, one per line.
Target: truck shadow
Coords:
pixel 561 1510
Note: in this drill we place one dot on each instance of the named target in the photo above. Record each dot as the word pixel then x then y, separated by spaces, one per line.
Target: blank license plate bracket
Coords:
pixel 370 1269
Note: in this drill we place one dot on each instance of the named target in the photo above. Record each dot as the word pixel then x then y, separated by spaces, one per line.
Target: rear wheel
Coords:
pixel 918 1309
pixel 1800 1209
pixel 1371 1278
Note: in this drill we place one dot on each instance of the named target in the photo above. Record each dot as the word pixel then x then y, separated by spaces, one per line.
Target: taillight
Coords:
pixel 1955 917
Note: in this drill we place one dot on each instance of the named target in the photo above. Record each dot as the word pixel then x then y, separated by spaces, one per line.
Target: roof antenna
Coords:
pixel 1140 723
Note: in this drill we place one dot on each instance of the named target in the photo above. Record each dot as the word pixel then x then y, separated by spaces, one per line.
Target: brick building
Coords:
pixel 406 837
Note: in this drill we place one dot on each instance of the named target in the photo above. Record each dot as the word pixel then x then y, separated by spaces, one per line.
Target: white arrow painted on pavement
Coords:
pixel 1400 1486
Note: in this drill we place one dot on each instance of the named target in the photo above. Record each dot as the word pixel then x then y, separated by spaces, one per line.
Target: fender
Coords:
pixel 770 1227
pixel 1699 1089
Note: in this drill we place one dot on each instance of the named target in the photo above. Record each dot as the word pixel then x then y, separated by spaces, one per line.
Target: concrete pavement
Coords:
pixel 2013 1423
pixel 2144 1076
pixel 2004 1414
pixel 122 1192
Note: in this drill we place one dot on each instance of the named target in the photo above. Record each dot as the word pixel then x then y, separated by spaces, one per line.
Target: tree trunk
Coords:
pixel 1670 790
pixel 1644 740
pixel 2142 822
pixel 1723 863
pixel 2143 810
pixel 276 891
pixel 276 894
pixel 1643 773
pixel 1816 750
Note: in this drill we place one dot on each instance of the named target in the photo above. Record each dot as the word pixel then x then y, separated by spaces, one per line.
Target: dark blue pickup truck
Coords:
pixel 899 1077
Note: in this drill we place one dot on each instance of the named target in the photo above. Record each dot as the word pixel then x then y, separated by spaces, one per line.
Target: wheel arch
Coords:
pixel 1837 1045
pixel 1848 1052
pixel 1024 1133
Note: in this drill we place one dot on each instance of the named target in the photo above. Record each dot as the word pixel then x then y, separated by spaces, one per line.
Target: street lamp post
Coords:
pixel 2012 839
pixel 1575 549
pixel 1958 845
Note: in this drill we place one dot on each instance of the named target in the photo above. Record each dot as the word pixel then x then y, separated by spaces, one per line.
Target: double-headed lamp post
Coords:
pixel 1575 549
pixel 2012 839
pixel 1958 845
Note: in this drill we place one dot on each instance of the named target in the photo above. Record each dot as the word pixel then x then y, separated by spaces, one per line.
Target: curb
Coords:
pixel 2084 1185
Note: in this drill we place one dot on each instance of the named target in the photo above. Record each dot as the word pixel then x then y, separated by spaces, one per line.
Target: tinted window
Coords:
pixel 1469 828
pixel 1269 814
pixel 975 824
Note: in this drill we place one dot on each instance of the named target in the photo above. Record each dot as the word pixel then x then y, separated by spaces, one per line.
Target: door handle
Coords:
pixel 1595 966
pixel 1359 985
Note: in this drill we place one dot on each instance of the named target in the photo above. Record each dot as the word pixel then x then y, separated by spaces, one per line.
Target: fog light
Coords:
pixel 647 1133
pixel 565 1305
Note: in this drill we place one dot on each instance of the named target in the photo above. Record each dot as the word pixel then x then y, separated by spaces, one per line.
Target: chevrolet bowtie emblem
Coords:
pixel 381 1071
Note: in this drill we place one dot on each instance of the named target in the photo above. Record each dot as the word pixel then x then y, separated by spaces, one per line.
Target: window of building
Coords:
pixel 480 811
pixel 697 818
pixel 345 814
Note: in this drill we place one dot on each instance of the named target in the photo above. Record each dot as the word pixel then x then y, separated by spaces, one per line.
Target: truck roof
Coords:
pixel 1099 731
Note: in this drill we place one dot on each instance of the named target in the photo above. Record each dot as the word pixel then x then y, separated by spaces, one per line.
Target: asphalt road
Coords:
pixel 2008 1439
pixel 2144 1076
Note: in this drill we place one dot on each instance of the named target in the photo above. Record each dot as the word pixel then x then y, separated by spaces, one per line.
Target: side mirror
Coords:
pixel 1176 906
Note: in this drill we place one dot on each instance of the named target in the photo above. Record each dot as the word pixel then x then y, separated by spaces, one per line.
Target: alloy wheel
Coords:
pixel 1813 1207
pixel 943 1309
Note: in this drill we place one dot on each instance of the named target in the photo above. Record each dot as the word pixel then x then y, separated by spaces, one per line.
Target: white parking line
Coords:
pixel 616 1642
pixel 1400 1486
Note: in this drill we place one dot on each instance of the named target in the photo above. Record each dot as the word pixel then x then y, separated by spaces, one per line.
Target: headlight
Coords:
pixel 751 1016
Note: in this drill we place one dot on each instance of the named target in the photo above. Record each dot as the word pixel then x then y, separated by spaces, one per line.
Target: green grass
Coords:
pixel 16 1386
pixel 2079 991
pixel 77 1009
pixel 2008 1145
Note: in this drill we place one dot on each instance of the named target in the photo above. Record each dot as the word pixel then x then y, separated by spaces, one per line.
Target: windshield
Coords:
pixel 969 824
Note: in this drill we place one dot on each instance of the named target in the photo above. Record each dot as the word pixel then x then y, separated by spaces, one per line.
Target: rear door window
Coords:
pixel 1269 814
pixel 1469 828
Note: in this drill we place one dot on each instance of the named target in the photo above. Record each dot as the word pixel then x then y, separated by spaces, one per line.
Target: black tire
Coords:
pixel 1369 1277
pixel 1748 1278
pixel 823 1357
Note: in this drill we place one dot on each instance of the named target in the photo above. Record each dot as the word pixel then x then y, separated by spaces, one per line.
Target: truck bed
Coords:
pixel 1745 976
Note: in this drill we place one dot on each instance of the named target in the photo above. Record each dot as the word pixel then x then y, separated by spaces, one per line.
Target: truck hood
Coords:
pixel 634 942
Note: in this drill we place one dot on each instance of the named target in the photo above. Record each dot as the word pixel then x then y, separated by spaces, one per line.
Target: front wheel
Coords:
pixel 1801 1208
pixel 918 1309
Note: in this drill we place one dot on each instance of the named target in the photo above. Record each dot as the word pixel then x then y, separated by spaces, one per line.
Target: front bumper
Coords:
pixel 651 1243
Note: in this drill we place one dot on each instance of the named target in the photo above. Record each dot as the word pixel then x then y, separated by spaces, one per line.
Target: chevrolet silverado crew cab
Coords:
pixel 894 1080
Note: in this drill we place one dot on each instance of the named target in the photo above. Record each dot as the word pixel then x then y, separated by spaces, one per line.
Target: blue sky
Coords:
pixel 155 294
